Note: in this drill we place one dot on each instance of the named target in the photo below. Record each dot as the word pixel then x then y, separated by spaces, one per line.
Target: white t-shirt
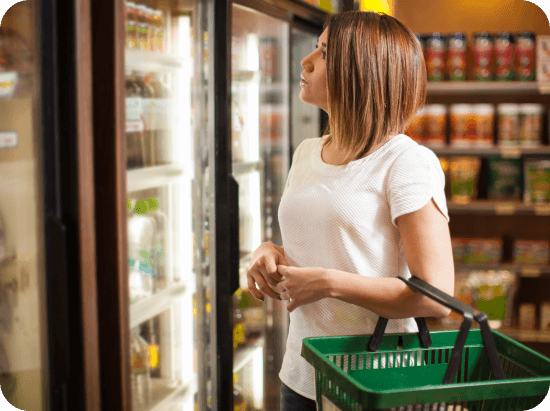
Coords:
pixel 343 218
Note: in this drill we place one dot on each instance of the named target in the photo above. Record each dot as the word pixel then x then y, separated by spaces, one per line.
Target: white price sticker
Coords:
pixel 8 139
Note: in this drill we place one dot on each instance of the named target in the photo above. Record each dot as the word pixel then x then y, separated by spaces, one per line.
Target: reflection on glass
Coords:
pixel 161 117
pixel 22 271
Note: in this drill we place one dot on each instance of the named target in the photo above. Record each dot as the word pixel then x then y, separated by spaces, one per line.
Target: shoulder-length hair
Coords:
pixel 376 79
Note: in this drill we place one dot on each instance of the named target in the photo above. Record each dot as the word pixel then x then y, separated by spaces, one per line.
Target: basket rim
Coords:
pixel 313 351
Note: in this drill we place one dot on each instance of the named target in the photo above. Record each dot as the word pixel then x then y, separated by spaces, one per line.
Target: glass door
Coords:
pixel 23 318
pixel 168 238
pixel 260 151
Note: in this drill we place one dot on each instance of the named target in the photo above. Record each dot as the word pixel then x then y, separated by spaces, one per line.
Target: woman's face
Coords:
pixel 314 80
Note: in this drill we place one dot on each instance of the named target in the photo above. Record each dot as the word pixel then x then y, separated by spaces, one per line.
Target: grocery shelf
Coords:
pixel 147 308
pixel 164 394
pixel 244 354
pixel 242 168
pixel 504 152
pixel 524 270
pixel 487 87
pixel 496 207
pixel 513 332
pixel 152 177
pixel 143 60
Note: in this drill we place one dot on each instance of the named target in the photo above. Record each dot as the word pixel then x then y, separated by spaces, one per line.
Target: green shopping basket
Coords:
pixel 464 369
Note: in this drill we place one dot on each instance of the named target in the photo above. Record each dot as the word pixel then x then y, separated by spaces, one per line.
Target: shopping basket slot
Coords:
pixel 468 369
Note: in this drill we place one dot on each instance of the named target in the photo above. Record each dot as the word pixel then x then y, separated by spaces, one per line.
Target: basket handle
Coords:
pixel 458 306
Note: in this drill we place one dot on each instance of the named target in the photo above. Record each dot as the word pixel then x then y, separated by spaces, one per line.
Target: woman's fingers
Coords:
pixel 261 282
pixel 252 287
pixel 271 269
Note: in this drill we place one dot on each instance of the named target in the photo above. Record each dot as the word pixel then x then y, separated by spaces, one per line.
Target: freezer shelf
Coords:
pixel 150 61
pixel 245 354
pixel 152 177
pixel 146 308
pixel 163 395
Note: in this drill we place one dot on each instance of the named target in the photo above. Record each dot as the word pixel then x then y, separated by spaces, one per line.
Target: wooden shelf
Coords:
pixel 495 207
pixel 524 270
pixel 495 151
pixel 480 87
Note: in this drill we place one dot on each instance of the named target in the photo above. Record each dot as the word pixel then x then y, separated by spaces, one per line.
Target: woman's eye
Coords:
pixel 324 54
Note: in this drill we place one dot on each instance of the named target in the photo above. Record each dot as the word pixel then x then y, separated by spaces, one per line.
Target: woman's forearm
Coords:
pixel 388 297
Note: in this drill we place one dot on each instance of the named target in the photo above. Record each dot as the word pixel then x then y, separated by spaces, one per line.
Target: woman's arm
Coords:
pixel 427 245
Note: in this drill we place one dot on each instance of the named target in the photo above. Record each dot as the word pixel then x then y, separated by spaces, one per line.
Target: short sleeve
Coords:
pixel 415 178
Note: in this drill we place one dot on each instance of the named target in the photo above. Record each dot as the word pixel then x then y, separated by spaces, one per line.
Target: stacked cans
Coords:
pixel 520 124
pixel 502 56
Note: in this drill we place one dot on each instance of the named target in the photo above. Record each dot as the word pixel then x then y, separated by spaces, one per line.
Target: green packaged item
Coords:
pixel 483 251
pixel 537 181
pixel 504 179
pixel 464 173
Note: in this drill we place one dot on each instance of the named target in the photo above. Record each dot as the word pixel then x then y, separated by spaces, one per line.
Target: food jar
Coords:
pixel 508 124
pixel 525 56
pixel 485 114
pixel 456 61
pixel 417 126
pixel 483 57
pixel 531 124
pixel 435 57
pixel 504 52
pixel 436 125
pixel 459 121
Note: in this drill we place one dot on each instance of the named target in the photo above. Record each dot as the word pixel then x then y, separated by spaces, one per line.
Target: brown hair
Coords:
pixel 376 79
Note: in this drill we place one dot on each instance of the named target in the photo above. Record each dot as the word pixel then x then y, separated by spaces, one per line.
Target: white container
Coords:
pixel 531 124
pixel 485 114
pixel 460 114
pixel 508 124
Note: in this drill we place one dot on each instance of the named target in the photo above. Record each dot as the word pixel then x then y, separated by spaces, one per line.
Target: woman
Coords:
pixel 362 204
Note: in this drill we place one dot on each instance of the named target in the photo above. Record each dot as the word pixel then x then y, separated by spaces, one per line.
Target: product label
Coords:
pixel 8 82
pixel 504 60
pixel 8 139
pixel 134 113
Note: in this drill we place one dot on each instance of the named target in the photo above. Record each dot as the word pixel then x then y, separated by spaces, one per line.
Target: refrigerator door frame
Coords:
pixel 70 369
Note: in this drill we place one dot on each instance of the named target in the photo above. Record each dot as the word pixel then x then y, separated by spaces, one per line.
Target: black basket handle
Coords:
pixel 458 306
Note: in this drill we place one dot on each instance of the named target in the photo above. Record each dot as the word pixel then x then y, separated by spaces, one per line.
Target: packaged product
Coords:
pixel 456 60
pixel 537 181
pixel 527 316
pixel 435 56
pixel 508 124
pixel 531 124
pixel 525 56
pixel 483 57
pixel 483 251
pixel 545 316
pixel 462 292
pixel 417 126
pixel 504 53
pixel 493 293
pixel 464 173
pixel 531 252
pixel 459 248
pixel 505 179
pixel 485 117
pixel 436 125
pixel 460 114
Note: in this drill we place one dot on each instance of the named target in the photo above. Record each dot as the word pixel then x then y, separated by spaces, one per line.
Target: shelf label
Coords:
pixel 8 139
pixel 510 152
pixel 533 272
pixel 505 208
pixel 542 209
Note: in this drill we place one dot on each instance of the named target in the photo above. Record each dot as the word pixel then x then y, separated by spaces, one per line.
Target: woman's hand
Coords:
pixel 303 285
pixel 263 270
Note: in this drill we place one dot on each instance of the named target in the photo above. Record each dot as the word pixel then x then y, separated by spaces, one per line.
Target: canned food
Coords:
pixel 504 51
pixel 436 125
pixel 459 124
pixel 435 57
pixel 456 61
pixel 508 124
pixel 525 56
pixel 531 124
pixel 483 57
pixel 485 114
pixel 417 127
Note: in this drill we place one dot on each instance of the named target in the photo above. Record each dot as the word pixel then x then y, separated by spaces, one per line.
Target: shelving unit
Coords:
pixel 481 87
pixel 151 61
pixel 152 177
pixel 504 152
pixel 245 354
pixel 524 270
pixel 497 207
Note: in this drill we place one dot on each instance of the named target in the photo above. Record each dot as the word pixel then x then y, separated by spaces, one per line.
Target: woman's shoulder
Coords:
pixel 410 153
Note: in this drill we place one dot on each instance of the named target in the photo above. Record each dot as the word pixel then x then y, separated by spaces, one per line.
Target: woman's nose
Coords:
pixel 306 64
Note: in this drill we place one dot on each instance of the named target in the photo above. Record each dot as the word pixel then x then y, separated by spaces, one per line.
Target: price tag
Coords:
pixel 505 208
pixel 544 88
pixel 8 139
pixel 510 152
pixel 533 272
pixel 542 209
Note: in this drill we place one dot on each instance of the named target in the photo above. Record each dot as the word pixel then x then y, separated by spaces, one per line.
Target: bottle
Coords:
pixel 147 95
pixel 131 25
pixel 134 122
pixel 141 232
pixel 161 147
pixel 238 321
pixel 237 126
pixel 139 364
pixel 142 26
pixel 158 256
pixel 238 398
pixel 154 354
